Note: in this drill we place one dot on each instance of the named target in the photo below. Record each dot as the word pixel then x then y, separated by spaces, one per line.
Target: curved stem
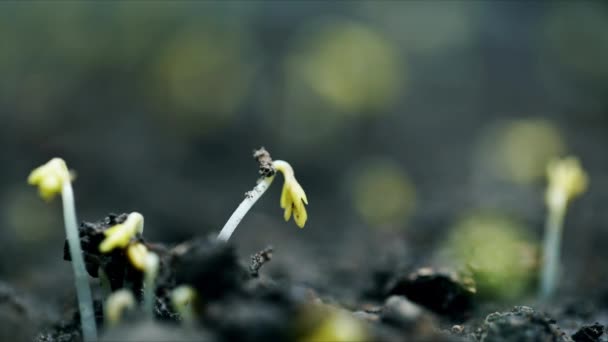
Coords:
pixel 250 198
pixel 81 278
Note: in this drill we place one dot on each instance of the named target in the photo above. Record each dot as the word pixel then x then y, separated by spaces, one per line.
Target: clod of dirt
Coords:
pixel 410 318
pixel 401 312
pixel 16 323
pixel 154 332
pixel 589 333
pixel 210 266
pixel 259 259
pixel 119 270
pixel 116 264
pixel 440 291
pixel 59 333
pixel 520 324
pixel 249 320
pixel 265 162
pixel 68 328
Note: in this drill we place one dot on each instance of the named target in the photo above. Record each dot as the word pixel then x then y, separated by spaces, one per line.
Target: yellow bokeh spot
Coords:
pixel 322 324
pixel 519 150
pixel 205 78
pixel 497 249
pixel 383 194
pixel 18 205
pixel 350 65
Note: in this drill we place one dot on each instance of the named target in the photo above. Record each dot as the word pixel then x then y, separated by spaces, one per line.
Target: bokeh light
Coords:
pixel 351 65
pixel 382 194
pixel 205 77
pixel 519 150
pixel 497 249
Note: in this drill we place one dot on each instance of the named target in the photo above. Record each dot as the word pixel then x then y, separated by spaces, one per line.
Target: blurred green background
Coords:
pixel 397 117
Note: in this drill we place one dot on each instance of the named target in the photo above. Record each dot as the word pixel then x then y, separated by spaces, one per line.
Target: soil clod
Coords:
pixel 589 333
pixel 443 292
pixel 520 324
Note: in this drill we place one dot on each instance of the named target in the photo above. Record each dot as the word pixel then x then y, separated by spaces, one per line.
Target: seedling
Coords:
pixel 567 180
pixel 137 253
pixel 53 178
pixel 116 304
pixel 147 262
pixel 293 197
pixel 182 299
pixel 152 262
pixel 121 234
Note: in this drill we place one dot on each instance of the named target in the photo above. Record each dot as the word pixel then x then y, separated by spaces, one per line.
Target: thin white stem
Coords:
pixel 250 198
pixel 106 287
pixel 81 278
pixel 551 251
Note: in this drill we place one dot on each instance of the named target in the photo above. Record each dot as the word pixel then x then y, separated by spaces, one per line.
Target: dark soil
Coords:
pixel 238 301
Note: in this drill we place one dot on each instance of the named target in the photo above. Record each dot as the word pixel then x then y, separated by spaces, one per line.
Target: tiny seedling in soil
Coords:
pixel 293 197
pixel 201 290
pixel 567 180
pixel 53 178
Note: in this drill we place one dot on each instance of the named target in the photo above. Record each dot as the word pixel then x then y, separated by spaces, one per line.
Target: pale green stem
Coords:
pixel 150 283
pixel 250 198
pixel 81 278
pixel 115 304
pixel 182 298
pixel 551 250
pixel 106 287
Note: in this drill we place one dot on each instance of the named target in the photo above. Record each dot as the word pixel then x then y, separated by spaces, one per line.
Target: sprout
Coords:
pixel 53 178
pixel 147 262
pixel 50 178
pixel 120 235
pixel 293 197
pixel 150 273
pixel 567 180
pixel 116 304
pixel 137 254
pixel 183 298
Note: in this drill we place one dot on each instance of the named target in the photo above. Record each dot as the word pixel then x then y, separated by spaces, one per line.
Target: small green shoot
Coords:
pixel 182 299
pixel 293 197
pixel 53 178
pixel 116 304
pixel 567 180
pixel 147 262
pixel 121 234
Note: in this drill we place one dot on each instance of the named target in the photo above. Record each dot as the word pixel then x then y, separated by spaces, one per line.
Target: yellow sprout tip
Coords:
pixel 293 197
pixel 567 180
pixel 121 234
pixel 116 303
pixel 50 178
pixel 137 254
